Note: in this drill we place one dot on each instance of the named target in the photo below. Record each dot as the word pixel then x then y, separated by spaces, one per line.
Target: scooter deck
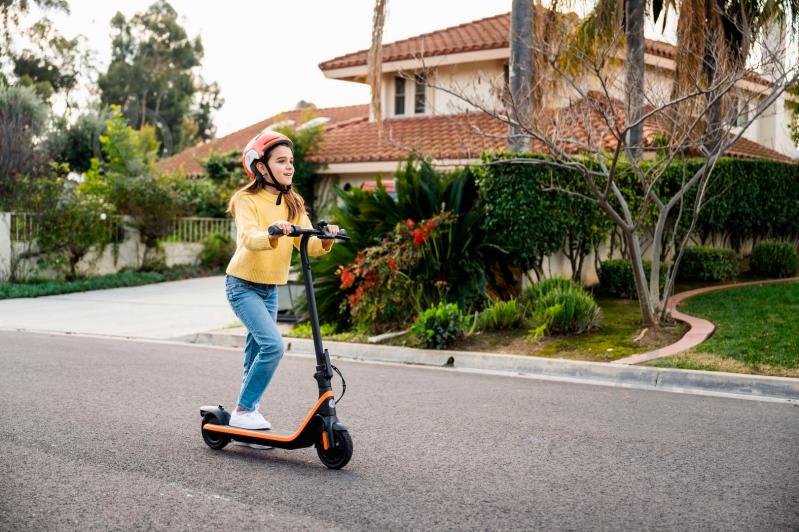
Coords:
pixel 305 436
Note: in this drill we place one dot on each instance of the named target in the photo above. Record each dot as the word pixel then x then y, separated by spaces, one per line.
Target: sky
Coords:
pixel 265 54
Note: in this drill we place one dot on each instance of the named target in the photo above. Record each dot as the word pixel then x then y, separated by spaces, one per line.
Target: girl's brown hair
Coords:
pixel 294 201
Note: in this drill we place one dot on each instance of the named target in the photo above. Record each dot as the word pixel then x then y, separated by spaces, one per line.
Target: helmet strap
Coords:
pixel 282 189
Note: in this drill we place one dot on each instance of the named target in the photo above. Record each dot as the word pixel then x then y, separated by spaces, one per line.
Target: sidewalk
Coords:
pixel 196 311
pixel 156 311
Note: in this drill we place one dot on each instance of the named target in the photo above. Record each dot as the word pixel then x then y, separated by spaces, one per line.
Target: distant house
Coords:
pixel 469 58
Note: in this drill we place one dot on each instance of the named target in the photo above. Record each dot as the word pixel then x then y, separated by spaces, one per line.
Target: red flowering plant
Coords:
pixel 391 282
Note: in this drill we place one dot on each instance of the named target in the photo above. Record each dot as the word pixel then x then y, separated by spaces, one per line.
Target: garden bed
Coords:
pixel 619 335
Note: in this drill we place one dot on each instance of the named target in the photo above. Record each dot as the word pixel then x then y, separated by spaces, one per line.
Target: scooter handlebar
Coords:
pixel 296 230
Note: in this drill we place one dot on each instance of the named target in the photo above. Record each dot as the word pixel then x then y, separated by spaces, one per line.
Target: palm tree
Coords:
pixel 714 40
pixel 520 73
pixel 375 74
pixel 634 79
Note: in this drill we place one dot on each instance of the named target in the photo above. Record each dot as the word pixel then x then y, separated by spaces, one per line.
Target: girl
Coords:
pixel 261 262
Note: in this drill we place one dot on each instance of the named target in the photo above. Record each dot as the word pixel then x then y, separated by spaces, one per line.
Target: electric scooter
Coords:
pixel 321 427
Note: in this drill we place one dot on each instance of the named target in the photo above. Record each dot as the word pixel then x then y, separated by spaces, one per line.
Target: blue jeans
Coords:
pixel 256 306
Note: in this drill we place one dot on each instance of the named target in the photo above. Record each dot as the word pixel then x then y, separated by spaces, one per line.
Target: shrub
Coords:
pixel 774 259
pixel 217 250
pixel 501 315
pixel 438 326
pixel 566 310
pixel 423 193
pixel 616 278
pixel 419 265
pixel 707 264
pixel 304 330
pixel 532 294
pixel 73 225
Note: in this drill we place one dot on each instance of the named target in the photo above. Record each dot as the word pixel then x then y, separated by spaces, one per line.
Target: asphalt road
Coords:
pixel 104 434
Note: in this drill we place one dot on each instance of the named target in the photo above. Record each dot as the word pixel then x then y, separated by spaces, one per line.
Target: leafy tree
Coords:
pixel 23 117
pixel 152 76
pixel 74 225
pixel 11 11
pixel 126 177
pixel 77 143
pixel 54 64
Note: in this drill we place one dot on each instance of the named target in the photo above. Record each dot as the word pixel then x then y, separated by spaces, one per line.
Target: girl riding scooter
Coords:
pixel 262 261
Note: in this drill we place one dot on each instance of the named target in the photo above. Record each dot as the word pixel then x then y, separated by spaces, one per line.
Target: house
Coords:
pixel 470 58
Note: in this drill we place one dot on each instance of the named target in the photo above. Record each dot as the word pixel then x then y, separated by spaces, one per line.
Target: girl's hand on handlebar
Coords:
pixel 284 226
pixel 332 229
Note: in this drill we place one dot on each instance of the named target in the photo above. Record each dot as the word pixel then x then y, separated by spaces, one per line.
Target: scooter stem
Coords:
pixel 324 371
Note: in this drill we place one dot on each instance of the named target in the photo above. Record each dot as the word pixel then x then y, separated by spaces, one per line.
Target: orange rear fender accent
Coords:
pixel 264 435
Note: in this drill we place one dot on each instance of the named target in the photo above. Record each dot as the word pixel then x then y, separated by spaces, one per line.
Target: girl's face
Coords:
pixel 281 162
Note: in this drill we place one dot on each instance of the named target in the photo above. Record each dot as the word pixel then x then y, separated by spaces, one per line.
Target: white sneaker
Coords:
pixel 253 445
pixel 249 420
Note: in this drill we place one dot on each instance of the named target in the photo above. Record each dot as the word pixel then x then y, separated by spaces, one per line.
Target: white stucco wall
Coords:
pixel 130 254
pixel 480 81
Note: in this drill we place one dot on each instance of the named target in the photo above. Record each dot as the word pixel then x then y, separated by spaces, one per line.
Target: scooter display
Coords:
pixel 321 427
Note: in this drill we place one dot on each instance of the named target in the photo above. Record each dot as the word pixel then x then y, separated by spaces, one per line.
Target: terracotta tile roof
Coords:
pixel 484 34
pixel 443 137
pixel 189 159
pixel 466 136
pixel 748 149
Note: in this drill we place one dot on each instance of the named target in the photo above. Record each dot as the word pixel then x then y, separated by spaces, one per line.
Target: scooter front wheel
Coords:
pixel 339 453
pixel 214 440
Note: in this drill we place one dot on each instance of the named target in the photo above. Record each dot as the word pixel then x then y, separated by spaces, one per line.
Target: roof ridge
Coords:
pixel 420 36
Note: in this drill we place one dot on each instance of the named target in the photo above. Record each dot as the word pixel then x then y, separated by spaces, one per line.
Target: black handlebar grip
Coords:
pixel 277 231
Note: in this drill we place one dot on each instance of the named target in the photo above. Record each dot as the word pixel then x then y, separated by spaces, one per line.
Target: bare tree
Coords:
pixel 589 135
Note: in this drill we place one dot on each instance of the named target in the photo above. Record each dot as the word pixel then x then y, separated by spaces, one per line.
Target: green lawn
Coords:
pixel 757 331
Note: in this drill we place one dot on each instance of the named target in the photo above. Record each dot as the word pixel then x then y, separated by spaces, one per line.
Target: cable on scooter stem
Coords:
pixel 343 383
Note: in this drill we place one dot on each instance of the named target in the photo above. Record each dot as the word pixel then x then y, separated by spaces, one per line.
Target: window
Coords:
pixel 739 115
pixel 399 95
pixel 743 112
pixel 419 94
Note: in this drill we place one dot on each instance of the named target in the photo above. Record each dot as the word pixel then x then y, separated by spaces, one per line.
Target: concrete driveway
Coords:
pixel 161 311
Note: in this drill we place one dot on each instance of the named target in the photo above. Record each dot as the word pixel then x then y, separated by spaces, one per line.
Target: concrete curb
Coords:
pixel 666 379
pixel 700 329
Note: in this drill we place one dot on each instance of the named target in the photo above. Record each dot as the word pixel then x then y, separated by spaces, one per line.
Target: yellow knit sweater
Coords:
pixel 255 259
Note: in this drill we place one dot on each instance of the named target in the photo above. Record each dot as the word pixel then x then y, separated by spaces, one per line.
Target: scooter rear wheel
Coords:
pixel 214 440
pixel 338 454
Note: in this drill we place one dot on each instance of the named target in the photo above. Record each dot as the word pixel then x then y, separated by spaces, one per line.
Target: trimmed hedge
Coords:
pixel 701 263
pixel 616 278
pixel 752 199
pixel 774 259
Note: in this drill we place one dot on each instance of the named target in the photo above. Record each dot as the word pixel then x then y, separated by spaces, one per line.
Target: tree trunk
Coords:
pixel 634 33
pixel 520 73
pixel 647 313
